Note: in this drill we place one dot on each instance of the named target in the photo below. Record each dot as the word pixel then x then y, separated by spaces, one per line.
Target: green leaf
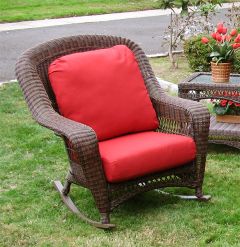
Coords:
pixel 229 55
pixel 220 59
pixel 166 4
pixel 216 48
pixel 220 110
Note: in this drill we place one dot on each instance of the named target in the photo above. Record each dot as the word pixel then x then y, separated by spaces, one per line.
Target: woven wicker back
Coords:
pixel 34 62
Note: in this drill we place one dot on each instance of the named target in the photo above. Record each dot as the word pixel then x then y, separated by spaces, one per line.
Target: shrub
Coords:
pixel 197 54
pixel 236 63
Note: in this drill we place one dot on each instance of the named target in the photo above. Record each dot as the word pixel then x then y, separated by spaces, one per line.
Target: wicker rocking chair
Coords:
pixel 176 116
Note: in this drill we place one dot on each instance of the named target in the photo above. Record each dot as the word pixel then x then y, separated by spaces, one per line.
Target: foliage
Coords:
pixel 236 62
pixel 226 107
pixel 224 45
pixel 197 54
pixel 185 4
pixel 187 22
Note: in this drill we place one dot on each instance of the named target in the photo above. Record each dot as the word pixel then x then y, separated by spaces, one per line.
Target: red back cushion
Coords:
pixel 103 89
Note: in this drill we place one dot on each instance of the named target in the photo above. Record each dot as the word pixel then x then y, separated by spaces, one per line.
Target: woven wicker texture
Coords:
pixel 221 72
pixel 175 115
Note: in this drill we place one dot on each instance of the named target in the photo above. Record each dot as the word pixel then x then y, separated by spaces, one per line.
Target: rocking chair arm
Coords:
pixel 185 117
pixel 77 133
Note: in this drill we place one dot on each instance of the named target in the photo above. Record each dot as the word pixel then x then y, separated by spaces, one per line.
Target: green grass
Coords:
pixel 12 10
pixel 20 10
pixel 162 68
pixel 32 214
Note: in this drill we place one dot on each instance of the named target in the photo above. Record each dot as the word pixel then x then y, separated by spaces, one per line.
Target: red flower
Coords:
pixel 237 104
pixel 205 40
pixel 224 30
pixel 228 37
pixel 233 32
pixel 230 102
pixel 214 35
pixel 220 28
pixel 237 40
pixel 223 102
pixel 218 37
pixel 236 45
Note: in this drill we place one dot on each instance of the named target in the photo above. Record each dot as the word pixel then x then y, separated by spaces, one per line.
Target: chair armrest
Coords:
pixel 181 116
pixel 185 117
pixel 77 133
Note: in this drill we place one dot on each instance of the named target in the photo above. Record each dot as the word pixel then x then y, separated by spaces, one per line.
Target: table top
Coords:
pixel 205 79
pixel 200 86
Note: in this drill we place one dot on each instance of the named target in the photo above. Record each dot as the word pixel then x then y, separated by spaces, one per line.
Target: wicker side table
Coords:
pixel 199 86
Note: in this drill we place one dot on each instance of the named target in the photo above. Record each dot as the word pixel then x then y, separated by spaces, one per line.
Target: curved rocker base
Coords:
pixel 69 203
pixel 203 198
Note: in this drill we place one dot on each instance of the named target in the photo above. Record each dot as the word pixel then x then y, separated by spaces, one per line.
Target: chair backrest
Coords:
pixel 32 67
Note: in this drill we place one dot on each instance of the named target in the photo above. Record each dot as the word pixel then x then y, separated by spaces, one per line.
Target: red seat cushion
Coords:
pixel 139 154
pixel 103 89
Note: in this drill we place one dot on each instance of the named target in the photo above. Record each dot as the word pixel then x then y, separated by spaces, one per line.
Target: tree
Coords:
pixel 179 23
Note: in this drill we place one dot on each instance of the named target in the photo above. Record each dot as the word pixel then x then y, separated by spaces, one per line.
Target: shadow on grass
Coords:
pixel 220 148
pixel 131 212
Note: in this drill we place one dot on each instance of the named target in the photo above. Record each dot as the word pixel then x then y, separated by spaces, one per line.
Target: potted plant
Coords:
pixel 227 111
pixel 222 52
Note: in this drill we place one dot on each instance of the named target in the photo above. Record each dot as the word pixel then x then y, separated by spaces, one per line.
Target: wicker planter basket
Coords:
pixel 220 72
pixel 228 119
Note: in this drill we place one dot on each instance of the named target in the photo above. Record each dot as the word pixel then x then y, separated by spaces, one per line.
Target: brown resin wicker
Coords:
pixel 199 86
pixel 175 115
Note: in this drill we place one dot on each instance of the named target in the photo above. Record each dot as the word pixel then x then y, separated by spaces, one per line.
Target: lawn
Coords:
pixel 32 214
pixel 16 10
pixel 12 10
pixel 162 68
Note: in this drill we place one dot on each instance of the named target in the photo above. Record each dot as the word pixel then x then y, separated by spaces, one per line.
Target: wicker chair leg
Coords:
pixel 200 196
pixel 69 203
